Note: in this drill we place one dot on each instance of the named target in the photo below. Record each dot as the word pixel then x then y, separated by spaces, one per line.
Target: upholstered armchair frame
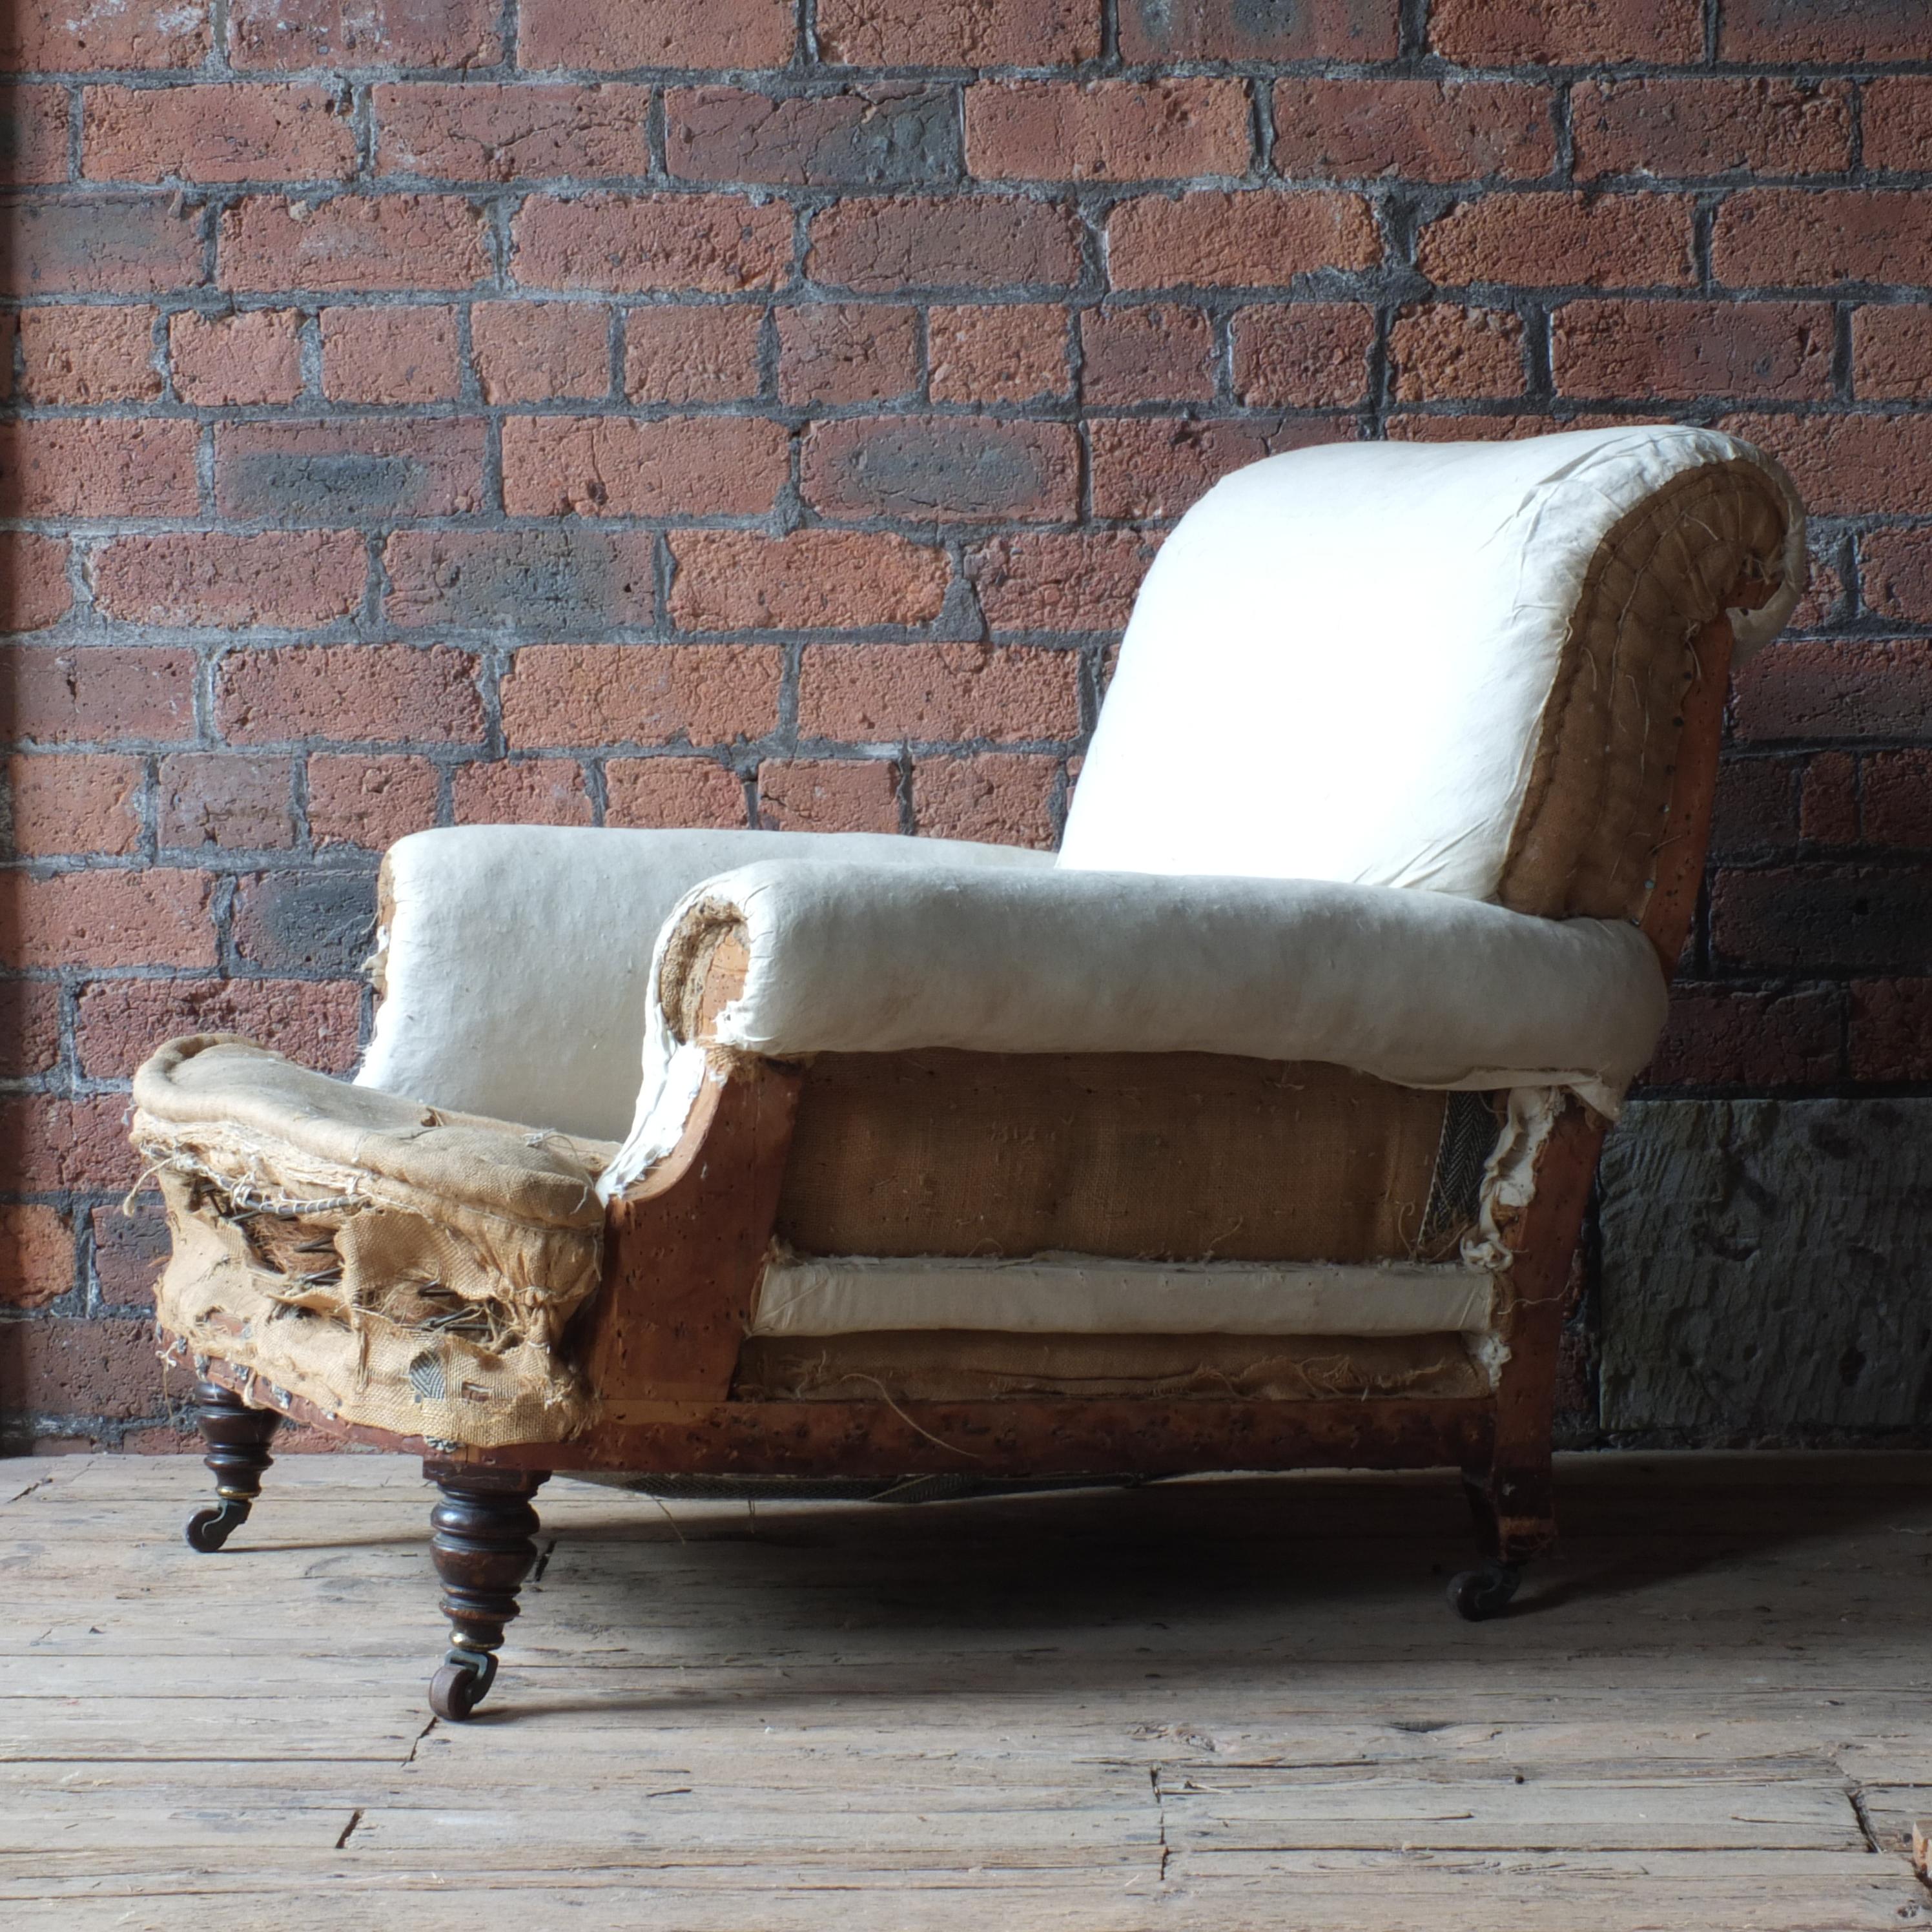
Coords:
pixel 661 1344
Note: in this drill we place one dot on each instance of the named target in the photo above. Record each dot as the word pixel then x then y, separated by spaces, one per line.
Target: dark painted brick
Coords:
pixel 313 921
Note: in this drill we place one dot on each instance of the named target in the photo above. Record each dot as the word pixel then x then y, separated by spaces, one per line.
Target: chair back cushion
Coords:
pixel 1457 666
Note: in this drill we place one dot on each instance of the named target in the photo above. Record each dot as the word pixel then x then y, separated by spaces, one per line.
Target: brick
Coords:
pixel 216 800
pixel 1084 580
pixel 598 694
pixel 36 1255
pixel 106 244
pixel 1643 349
pixel 536 352
pixel 886 135
pixel 116 467
pixel 1828 809
pixel 708 244
pixel 1439 352
pixel 1891 1029
pixel 1417 129
pixel 298 132
pixel 1500 33
pixel 391 693
pixel 737 580
pixel 1822 601
pixel 691 355
pixel 1817 917
pixel 1783 236
pixel 1756 808
pixel 486 133
pixel 1849 688
pixel 1010 352
pixel 1238 30
pixel 33 134
pixel 680 33
pixel 895 693
pixel 847 352
pixel 90 1368
pixel 337 473
pixel 958 33
pixel 1153 467
pixel 82 356
pixel 50 1145
pixel 107 918
pixel 1620 240
pixel 121 1022
pixel 1683 129
pixel 1160 130
pixel 1891 355
pixel 1896 799
pixel 997 798
pixel 267 34
pixel 56 37
pixel 315 922
pixel 1302 355
pixel 1258 239
pixel 1896 114
pixel 943 468
pixel 30 1028
pixel 253 356
pixel 357 800
pixel 531 791
pixel 1153 351
pixel 131 1248
pixel 547 581
pixel 1847 465
pixel 393 355
pixel 292 578
pixel 34 588
pixel 359 242
pixel 1895 574
pixel 1727 1036
pixel 890 246
pixel 609 466
pixel 74 804
pixel 665 794
pixel 829 795
pixel 1822 30
pixel 96 694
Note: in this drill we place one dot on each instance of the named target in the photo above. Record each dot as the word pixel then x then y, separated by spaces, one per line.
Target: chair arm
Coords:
pixel 512 960
pixel 1419 988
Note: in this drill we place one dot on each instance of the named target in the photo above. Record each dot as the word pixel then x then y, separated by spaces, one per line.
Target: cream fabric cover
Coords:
pixel 513 960
pixel 1338 662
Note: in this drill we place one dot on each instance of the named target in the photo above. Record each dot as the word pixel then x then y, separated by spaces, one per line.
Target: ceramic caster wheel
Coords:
pixel 461 1684
pixel 207 1530
pixel 1476 1595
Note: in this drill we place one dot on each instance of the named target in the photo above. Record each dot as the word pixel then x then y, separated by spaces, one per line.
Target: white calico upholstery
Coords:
pixel 1339 661
pixel 514 958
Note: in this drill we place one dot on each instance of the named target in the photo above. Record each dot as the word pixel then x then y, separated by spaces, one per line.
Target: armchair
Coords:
pixel 1254 1129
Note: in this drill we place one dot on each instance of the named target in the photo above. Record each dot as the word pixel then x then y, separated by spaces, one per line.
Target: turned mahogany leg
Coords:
pixel 483 1543
pixel 237 1438
pixel 1515 1511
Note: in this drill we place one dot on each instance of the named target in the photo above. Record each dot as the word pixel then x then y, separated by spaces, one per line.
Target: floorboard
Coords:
pixel 1210 1705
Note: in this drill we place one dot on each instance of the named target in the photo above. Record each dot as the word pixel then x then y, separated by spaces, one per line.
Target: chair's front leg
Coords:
pixel 484 1541
pixel 237 1438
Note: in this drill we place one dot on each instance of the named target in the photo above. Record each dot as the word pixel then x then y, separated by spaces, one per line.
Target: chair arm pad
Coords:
pixel 1419 988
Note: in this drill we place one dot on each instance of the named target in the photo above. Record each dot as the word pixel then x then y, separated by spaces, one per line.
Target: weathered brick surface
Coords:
pixel 442 411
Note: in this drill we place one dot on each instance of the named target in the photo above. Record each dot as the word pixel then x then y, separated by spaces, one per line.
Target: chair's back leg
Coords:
pixel 238 1438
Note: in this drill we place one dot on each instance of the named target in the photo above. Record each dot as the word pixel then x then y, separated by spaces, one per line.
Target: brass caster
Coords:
pixel 462 1684
pixel 1476 1595
pixel 207 1530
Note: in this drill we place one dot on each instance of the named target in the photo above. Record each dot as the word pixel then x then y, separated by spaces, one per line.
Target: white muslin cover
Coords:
pixel 1338 663
pixel 1416 988
pixel 516 958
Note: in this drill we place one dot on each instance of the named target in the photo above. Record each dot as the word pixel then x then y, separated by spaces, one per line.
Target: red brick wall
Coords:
pixel 760 412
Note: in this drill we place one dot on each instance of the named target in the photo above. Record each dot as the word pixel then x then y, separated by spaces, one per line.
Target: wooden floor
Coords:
pixel 1225 1704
